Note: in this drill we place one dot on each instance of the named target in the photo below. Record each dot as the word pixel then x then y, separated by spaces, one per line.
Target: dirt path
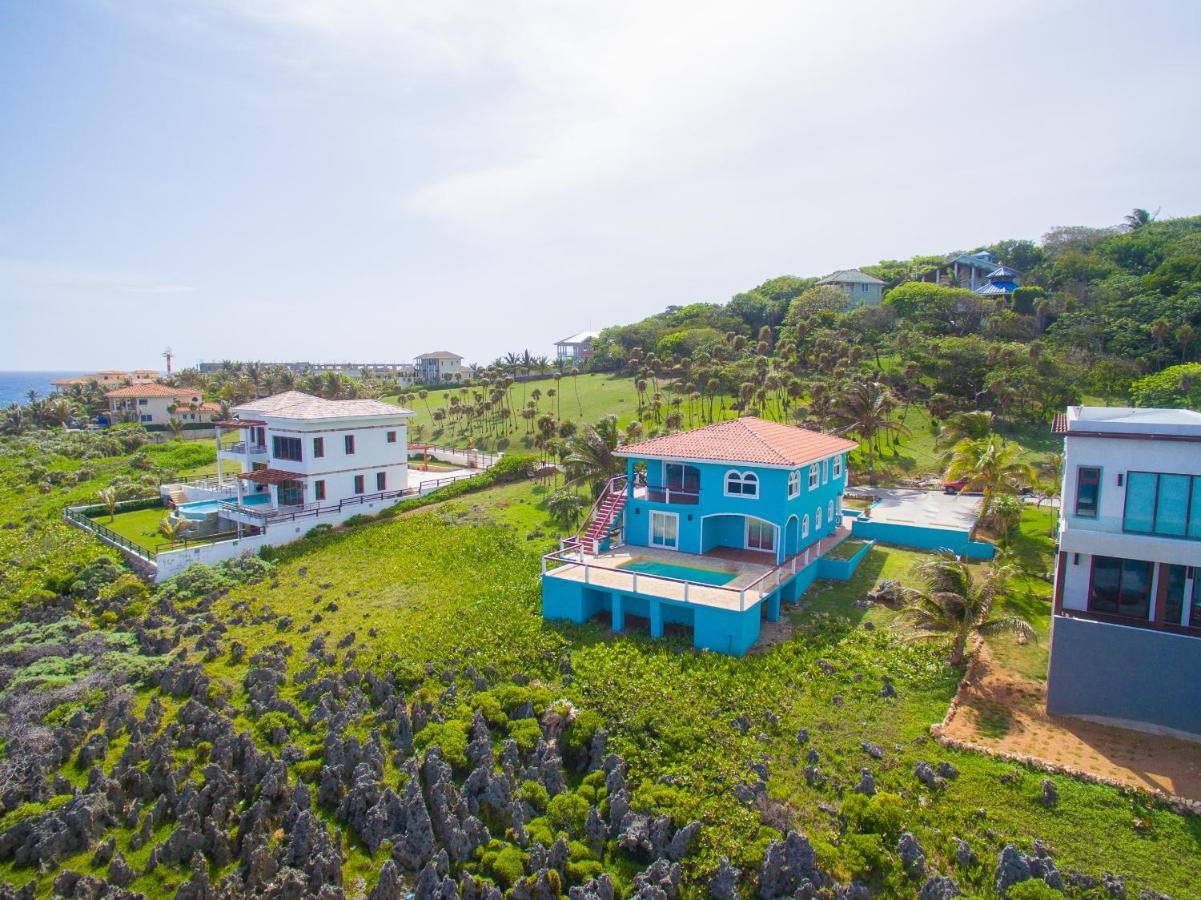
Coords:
pixel 1002 711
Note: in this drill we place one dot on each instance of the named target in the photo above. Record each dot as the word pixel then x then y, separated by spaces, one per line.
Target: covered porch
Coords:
pixel 286 489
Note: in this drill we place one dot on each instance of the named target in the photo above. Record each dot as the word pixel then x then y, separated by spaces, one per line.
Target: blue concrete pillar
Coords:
pixel 773 607
pixel 619 613
pixel 656 619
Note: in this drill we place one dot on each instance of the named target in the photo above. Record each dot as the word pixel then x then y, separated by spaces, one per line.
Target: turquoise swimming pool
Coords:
pixel 198 509
pixel 684 573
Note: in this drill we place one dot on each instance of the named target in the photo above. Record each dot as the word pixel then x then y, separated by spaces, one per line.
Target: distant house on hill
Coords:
pixel 438 367
pixel 967 270
pixel 861 289
pixel 1002 282
pixel 577 348
pixel 157 404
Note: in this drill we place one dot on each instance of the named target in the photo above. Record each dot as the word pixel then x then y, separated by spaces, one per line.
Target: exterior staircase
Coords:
pixel 603 515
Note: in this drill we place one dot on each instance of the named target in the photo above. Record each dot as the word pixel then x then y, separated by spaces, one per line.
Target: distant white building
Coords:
pixel 438 367
pixel 861 289
pixel 577 348
pixel 1126 629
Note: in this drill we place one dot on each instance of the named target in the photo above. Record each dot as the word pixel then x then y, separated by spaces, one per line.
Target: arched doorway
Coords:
pixel 792 537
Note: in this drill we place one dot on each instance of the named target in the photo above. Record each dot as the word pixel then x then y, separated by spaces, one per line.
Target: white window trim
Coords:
pixel 825 471
pixel 805 527
pixel 742 476
pixel 794 484
pixel 650 536
pixel 830 511
pixel 746 534
pixel 817 519
pixel 838 466
pixel 813 476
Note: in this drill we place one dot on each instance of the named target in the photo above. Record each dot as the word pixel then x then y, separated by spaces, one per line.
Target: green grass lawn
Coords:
pixel 140 525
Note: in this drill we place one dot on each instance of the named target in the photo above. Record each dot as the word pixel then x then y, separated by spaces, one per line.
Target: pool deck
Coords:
pixel 753 579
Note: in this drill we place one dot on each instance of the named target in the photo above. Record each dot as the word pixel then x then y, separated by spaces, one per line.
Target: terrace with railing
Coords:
pixel 751 581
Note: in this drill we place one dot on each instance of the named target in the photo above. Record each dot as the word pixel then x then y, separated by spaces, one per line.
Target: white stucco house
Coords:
pixel 157 404
pixel 1126 629
pixel 438 367
pixel 576 347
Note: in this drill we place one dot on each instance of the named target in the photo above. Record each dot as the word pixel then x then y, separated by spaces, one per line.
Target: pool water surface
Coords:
pixel 683 573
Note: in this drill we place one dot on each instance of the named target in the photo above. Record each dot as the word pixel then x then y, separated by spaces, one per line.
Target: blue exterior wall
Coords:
pixel 1135 675
pixel 717 520
pixel 923 538
pixel 842 569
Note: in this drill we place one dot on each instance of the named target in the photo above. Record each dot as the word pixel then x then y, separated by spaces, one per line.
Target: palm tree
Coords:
pixel 590 455
pixel 989 465
pixel 565 505
pixel 960 605
pixel 866 408
pixel 176 427
pixel 1137 218
pixel 173 527
pixel 108 496
pixel 964 426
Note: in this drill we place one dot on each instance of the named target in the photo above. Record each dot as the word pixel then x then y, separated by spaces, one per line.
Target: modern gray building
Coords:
pixel 1126 629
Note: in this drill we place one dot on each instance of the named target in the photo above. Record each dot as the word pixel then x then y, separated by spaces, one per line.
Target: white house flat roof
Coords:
pixel 581 338
pixel 299 405
pixel 1132 420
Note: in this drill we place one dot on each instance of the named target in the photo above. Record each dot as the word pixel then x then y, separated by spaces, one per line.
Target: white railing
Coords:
pixel 208 483
pixel 242 448
pixel 574 554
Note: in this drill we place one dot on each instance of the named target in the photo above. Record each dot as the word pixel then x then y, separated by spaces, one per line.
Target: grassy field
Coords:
pixel 140 525
pixel 586 398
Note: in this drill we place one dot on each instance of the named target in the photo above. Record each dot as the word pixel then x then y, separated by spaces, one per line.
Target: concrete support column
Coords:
pixel 773 607
pixel 619 613
pixel 656 619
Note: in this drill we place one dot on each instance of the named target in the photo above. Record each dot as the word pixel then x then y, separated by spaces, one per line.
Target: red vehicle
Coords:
pixel 956 487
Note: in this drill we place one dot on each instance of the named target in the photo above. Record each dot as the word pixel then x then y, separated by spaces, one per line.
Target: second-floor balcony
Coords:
pixel 244 448
pixel 664 494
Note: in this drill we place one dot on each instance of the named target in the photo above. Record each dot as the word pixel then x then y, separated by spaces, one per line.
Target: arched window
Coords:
pixel 742 484
pixel 817 520
pixel 813 475
pixel 794 483
pixel 830 510
pixel 838 466
pixel 805 527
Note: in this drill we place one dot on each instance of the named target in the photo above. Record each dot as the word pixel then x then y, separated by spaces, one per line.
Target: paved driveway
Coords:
pixel 931 508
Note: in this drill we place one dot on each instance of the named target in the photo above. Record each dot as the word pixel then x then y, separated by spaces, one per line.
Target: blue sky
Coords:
pixel 371 179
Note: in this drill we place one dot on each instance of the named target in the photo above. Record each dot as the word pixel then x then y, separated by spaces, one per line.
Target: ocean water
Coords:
pixel 15 386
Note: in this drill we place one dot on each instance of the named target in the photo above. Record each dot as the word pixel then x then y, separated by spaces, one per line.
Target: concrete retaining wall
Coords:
pixel 923 537
pixel 1128 676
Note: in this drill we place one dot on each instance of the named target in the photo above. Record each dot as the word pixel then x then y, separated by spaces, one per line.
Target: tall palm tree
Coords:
pixel 865 408
pixel 109 497
pixel 1137 218
pixel 590 455
pixel 990 465
pixel 964 426
pixel 957 604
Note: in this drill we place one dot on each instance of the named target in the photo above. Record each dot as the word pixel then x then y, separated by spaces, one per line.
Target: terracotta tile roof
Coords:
pixel 1060 424
pixel 299 405
pixel 746 440
pixel 270 476
pixel 152 390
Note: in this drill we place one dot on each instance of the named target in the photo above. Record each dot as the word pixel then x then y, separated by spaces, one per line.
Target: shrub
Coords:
pixel 577 739
pixel 509 866
pixel 533 793
pixel 883 814
pixel 1033 889
pixel 526 732
pixel 1175 386
pixel 450 737
pixel 567 812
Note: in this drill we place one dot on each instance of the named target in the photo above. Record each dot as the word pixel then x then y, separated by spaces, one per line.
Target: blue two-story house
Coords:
pixel 709 530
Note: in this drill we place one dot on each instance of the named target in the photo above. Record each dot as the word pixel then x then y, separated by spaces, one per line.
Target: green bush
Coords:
pixel 450 737
pixel 526 732
pixel 568 812
pixel 508 867
pixel 533 793
pixel 1174 387
pixel 1033 889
